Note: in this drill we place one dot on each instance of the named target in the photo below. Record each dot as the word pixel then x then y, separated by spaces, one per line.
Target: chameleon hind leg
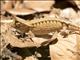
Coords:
pixel 54 36
pixel 64 32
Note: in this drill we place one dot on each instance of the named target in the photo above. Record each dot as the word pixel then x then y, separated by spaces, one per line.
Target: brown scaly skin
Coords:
pixel 45 25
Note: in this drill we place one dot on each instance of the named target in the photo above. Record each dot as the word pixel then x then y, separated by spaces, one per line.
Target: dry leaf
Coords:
pixel 65 49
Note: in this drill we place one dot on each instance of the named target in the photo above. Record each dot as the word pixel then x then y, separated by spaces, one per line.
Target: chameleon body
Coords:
pixel 45 25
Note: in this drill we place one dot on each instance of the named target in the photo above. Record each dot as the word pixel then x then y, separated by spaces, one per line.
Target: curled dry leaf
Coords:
pixel 18 9
pixel 27 7
pixel 65 49
pixel 39 6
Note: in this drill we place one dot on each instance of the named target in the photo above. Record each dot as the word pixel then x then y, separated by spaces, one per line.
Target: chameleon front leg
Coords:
pixel 30 35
